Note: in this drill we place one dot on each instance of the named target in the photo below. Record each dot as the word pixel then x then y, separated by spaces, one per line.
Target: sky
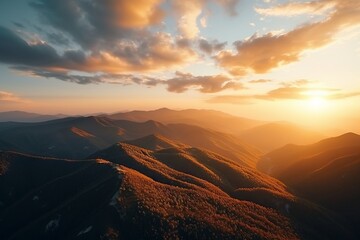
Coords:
pixel 264 59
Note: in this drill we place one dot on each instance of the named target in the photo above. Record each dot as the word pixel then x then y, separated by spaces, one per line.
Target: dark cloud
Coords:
pixel 184 43
pixel 180 83
pixel 113 37
pixel 19 25
pixel 205 84
pixel 95 24
pixel 211 47
pixel 155 52
pixel 124 79
pixel 66 16
pixel 229 5
pixel 58 39
pixel 15 50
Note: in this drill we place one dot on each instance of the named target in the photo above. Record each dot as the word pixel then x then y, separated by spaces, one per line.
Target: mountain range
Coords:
pixel 327 172
pixel 20 116
pixel 99 177
pixel 254 132
pixel 129 192
pixel 77 137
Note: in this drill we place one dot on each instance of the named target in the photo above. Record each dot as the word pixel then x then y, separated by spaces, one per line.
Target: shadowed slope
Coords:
pixel 327 172
pixel 277 161
pixel 54 199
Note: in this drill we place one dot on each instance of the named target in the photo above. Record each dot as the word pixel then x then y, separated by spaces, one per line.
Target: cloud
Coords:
pixel 9 97
pixel 261 54
pixel 181 82
pixel 211 46
pixel 19 25
pixel 132 14
pixel 58 39
pixel 203 21
pixel 155 52
pixel 124 79
pixel 229 5
pixel 188 13
pixel 109 41
pixel 95 22
pixel 286 93
pixel 15 50
pixel 343 95
pixel 260 81
pixel 113 36
pixel 298 8
pixel 205 84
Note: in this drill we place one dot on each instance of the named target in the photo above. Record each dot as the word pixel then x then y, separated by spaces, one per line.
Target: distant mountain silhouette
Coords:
pixel 19 116
pixel 327 172
pixel 215 120
pixel 78 137
pixel 268 137
pixel 131 192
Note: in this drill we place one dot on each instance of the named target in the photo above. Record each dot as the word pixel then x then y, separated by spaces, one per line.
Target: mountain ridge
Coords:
pixel 57 138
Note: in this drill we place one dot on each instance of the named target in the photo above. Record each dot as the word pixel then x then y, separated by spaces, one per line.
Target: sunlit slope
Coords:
pixel 195 169
pixel 156 142
pixel 196 164
pixel 79 137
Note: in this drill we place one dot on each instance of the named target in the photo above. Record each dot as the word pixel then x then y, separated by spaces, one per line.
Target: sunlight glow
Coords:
pixel 317 103
pixel 316 100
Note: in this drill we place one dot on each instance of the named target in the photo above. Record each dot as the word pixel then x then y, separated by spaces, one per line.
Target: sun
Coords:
pixel 316 100
pixel 317 103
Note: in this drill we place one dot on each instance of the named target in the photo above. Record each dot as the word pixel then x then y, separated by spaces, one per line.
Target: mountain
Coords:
pixel 129 192
pixel 44 198
pixel 19 116
pixel 268 137
pixel 211 119
pixel 327 172
pixel 78 137
pixel 190 167
pixel 156 142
